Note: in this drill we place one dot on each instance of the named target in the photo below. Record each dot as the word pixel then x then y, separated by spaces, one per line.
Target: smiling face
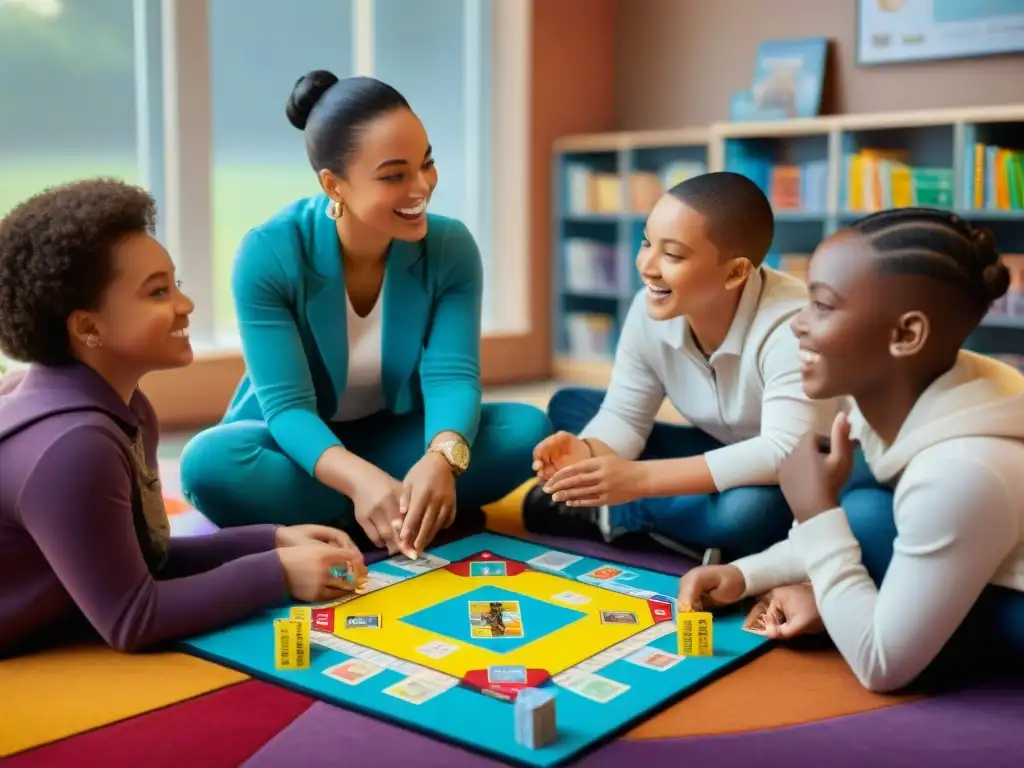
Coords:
pixel 142 320
pixel 682 269
pixel 852 333
pixel 390 178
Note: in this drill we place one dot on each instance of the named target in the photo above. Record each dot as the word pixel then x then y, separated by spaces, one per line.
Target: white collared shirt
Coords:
pixel 748 394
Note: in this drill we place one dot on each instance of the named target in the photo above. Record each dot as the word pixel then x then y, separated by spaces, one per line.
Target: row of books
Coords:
pixel 789 186
pixel 591 266
pixel 589 191
pixel 877 179
pixel 995 178
pixel 589 335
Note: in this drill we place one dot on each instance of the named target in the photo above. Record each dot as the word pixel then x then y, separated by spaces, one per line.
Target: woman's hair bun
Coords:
pixel 307 92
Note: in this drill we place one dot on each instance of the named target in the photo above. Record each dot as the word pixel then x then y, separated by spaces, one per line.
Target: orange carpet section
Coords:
pixel 784 687
pixel 55 694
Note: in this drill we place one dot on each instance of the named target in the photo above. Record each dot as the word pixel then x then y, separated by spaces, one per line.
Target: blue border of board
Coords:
pixel 474 721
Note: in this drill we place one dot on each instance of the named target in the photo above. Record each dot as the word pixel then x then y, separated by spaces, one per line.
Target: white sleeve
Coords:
pixel 634 395
pixel 777 566
pixel 955 523
pixel 787 414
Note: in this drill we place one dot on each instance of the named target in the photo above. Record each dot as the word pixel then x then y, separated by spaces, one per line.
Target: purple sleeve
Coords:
pixel 77 507
pixel 194 554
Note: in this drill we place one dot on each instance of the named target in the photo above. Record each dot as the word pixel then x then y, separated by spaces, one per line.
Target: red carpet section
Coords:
pixel 222 728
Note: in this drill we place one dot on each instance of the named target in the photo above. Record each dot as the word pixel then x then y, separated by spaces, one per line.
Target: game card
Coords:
pixel 495 619
pixel 572 598
pixel 362 622
pixel 353 671
pixel 590 686
pixel 554 561
pixel 618 617
pixel 506 674
pixel 604 573
pixel 437 649
pixel 652 658
pixel 414 690
pixel 485 568
pixel 422 564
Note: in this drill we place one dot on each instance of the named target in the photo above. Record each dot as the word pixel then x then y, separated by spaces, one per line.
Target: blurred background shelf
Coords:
pixel 820 174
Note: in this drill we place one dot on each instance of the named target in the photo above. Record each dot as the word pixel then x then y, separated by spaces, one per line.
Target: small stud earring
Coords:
pixel 335 210
pixel 92 340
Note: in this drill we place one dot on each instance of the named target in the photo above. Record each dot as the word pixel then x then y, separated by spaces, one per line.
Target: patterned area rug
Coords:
pixel 789 707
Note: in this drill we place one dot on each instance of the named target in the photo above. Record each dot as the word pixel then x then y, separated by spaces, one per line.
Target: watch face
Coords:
pixel 460 455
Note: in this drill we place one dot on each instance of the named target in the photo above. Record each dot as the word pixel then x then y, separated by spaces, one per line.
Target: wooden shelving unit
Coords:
pixel 820 173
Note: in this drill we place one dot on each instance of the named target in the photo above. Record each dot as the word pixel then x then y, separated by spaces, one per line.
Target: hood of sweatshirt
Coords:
pixel 978 397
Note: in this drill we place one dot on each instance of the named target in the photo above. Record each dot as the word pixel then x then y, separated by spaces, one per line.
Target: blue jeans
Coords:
pixel 990 636
pixel 739 521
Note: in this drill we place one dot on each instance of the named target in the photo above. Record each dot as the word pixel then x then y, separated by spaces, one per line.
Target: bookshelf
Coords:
pixel 820 174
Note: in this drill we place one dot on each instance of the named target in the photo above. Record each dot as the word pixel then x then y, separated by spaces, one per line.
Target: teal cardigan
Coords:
pixel 289 291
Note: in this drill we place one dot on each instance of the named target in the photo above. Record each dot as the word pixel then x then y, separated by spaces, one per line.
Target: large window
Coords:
pixel 71 82
pixel 188 100
pixel 258 49
pixel 68 79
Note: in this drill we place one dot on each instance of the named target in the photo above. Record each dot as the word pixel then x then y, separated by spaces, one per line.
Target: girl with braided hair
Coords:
pixel 920 569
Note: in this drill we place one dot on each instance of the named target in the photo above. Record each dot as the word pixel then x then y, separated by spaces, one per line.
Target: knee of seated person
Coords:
pixel 519 427
pixel 572 404
pixel 750 519
pixel 869 511
pixel 202 469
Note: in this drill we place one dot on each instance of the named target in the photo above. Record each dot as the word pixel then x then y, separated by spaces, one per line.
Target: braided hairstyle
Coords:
pixel 938 244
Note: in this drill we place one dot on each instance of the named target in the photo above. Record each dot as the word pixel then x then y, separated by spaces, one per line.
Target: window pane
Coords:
pixel 423 49
pixel 67 75
pixel 258 49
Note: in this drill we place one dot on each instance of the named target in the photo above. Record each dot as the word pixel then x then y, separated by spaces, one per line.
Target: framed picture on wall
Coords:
pixel 900 31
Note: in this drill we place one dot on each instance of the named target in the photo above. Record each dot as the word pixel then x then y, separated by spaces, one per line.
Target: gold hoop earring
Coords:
pixel 335 209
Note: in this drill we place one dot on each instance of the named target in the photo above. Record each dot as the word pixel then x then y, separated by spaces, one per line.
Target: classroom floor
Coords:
pixel 88 706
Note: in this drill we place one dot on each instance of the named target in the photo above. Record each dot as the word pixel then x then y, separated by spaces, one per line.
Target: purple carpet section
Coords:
pixel 982 727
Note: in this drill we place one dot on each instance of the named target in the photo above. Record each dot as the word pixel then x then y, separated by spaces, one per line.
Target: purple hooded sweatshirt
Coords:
pixel 75 537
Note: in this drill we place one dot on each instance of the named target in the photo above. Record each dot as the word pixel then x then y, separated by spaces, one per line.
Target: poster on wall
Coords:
pixel 897 31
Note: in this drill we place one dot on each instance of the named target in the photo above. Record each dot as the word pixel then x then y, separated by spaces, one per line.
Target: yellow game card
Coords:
pixel 695 634
pixel 301 613
pixel 291 644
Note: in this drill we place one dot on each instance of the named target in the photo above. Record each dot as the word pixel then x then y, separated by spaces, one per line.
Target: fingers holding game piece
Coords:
pixel 308 570
pixel 708 586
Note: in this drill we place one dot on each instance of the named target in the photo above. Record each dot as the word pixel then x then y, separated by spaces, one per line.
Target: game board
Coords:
pixel 443 644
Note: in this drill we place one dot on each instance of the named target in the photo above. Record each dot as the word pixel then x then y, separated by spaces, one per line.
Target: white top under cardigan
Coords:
pixel 364 391
pixel 957 467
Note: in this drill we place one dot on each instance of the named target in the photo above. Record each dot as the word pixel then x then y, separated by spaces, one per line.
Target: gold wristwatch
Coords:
pixel 455 452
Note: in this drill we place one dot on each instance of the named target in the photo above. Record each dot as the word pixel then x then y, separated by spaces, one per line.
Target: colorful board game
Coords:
pixel 443 645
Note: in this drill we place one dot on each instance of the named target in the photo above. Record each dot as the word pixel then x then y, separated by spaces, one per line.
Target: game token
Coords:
pixel 291 644
pixel 695 634
pixel 534 718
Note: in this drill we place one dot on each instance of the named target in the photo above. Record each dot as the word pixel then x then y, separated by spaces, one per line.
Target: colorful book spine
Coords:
pixel 877 179
pixel 994 178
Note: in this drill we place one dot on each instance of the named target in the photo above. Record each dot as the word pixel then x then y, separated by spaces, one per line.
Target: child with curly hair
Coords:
pixel 88 298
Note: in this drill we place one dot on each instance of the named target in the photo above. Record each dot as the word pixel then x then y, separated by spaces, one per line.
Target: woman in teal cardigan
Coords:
pixel 359 314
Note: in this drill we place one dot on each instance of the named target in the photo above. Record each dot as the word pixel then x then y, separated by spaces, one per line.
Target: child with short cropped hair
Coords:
pixel 709 330
pixel 88 298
